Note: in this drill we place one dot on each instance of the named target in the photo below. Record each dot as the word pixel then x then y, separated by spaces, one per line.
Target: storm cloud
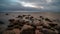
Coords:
pixel 29 5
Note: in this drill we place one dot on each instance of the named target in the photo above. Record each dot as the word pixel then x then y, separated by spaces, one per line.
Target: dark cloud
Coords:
pixel 40 5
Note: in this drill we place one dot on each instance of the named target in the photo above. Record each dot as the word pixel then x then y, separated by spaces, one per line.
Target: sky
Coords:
pixel 29 5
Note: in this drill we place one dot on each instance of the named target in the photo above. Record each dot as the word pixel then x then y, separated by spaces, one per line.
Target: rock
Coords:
pixel 12 20
pixel 26 27
pixel 1 32
pixel 52 25
pixel 26 17
pixel 28 31
pixel 8 32
pixel 41 17
pixel 31 17
pixel 16 26
pixel 48 31
pixel 46 19
pixel 16 30
pixel 10 28
pixel 28 24
pixel 10 25
pixel 48 27
pixel 38 32
pixel 19 16
pixel 6 14
pixel 58 28
pixel 23 15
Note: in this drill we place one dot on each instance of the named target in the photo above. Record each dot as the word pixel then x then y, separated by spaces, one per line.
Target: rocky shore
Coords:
pixel 28 24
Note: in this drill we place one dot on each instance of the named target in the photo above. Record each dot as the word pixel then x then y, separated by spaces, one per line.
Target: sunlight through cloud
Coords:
pixel 49 1
pixel 26 4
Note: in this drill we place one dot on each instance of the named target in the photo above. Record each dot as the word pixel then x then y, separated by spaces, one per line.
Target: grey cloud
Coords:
pixel 12 5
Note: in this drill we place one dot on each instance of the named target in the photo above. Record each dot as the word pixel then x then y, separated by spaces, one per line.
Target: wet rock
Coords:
pixel 19 16
pixel 10 25
pixel 41 17
pixel 8 32
pixel 16 26
pixel 46 19
pixel 54 20
pixel 39 20
pixel 38 32
pixel 27 21
pixel 16 30
pixel 39 27
pixel 10 28
pixel 1 32
pixel 31 17
pixel 6 14
pixel 12 20
pixel 48 31
pixel 59 33
pixel 30 25
pixel 52 25
pixel 26 17
pixel 23 15
pixel 48 27
pixel 28 31
pixel 27 26
pixel 58 28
